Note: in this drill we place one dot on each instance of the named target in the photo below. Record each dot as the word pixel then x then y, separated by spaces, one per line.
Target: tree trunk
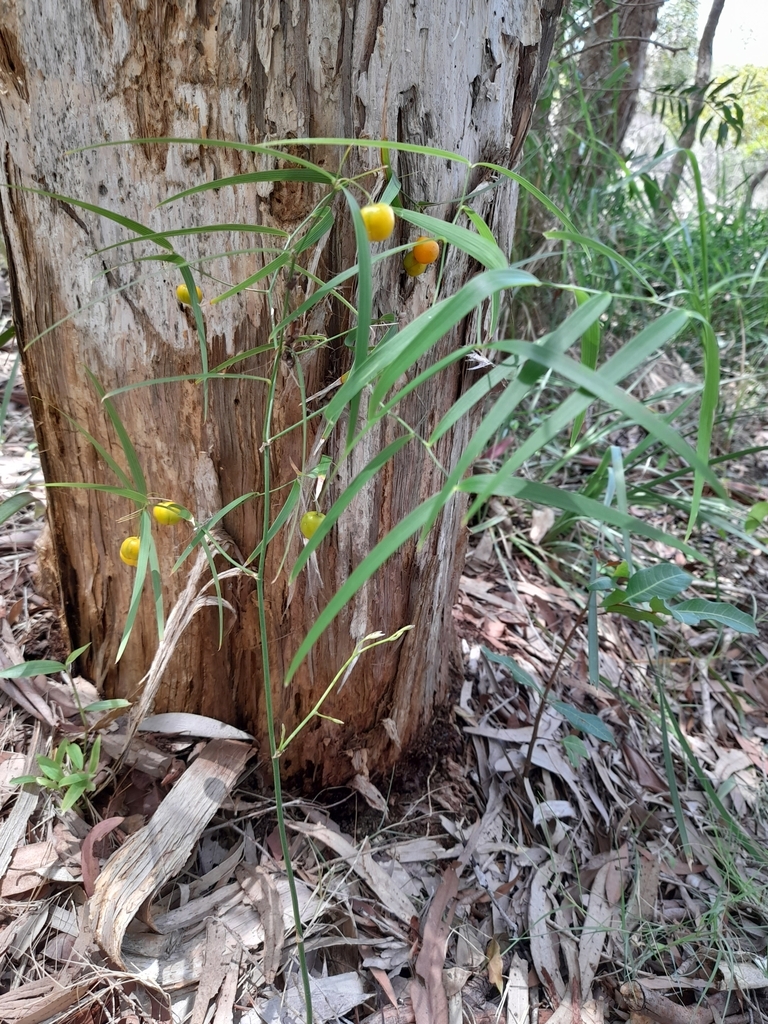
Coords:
pixel 618 33
pixel 456 76
pixel 702 79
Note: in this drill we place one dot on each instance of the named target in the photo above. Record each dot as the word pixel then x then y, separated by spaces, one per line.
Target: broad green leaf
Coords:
pixel 73 794
pixel 663 580
pixel 755 516
pixel 75 755
pixel 719 611
pixel 590 724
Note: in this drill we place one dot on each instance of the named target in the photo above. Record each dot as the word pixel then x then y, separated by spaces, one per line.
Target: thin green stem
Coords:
pixel 268 705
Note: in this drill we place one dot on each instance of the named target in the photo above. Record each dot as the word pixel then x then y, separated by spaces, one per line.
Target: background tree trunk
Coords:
pixel 436 73
pixel 618 33
pixel 702 79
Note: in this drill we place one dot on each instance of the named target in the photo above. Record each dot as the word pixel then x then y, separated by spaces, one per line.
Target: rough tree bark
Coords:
pixel 439 72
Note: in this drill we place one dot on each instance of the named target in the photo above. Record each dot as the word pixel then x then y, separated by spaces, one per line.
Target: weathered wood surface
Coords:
pixel 450 74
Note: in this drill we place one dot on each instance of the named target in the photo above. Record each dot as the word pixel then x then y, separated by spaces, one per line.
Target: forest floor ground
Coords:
pixel 618 873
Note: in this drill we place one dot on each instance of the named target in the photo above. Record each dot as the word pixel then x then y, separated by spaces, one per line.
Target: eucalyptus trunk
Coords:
pixel 446 74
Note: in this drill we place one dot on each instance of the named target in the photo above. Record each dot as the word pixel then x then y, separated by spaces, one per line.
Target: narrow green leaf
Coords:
pixel 345 499
pixel 311 174
pixel 360 576
pixel 32 668
pixel 15 504
pixel 107 705
pixel 129 451
pixel 145 542
pixel 481 248
pixel 571 501
pixel 74 655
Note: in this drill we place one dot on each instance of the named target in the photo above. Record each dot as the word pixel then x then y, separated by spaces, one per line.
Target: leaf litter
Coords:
pixel 540 871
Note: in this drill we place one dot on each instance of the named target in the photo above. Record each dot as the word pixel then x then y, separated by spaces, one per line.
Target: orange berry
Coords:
pixel 426 250
pixel 379 220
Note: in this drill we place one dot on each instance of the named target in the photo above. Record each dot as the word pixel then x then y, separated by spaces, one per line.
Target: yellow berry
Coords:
pixel 412 266
pixel 426 250
pixel 310 522
pixel 182 294
pixel 167 513
pixel 129 551
pixel 379 220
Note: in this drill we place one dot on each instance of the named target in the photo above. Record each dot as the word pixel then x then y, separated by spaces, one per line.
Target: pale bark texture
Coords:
pixel 449 74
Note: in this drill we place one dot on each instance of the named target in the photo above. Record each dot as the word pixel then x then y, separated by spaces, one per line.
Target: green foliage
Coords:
pixel 66 772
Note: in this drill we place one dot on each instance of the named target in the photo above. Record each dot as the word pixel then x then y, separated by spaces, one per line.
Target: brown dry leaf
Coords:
pixel 495 965
pixel 89 865
pixel 545 947
pixel 372 796
pixel 646 775
pixel 518 996
pixel 27 865
pixel 40 1000
pixel 221 949
pixel 642 904
pixel 154 854
pixel 386 985
pixel 363 864
pixel 598 923
pixel 431 958
pixel 260 888
pixel 542 521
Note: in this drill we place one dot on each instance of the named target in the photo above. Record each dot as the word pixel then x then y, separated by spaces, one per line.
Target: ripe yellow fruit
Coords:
pixel 310 522
pixel 379 220
pixel 167 513
pixel 412 266
pixel 182 294
pixel 129 551
pixel 426 250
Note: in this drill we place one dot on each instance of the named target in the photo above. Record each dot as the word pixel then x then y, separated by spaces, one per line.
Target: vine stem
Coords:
pixel 269 707
pixel 547 689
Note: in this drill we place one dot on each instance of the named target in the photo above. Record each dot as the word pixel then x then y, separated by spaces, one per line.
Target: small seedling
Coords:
pixel 66 771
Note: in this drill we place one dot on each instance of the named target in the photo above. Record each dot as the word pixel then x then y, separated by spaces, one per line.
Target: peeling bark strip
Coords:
pixel 445 73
